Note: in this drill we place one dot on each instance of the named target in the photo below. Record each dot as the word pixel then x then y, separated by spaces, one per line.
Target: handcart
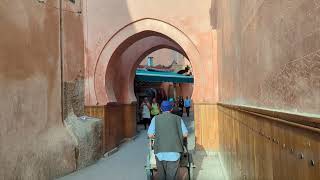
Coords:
pixel 186 161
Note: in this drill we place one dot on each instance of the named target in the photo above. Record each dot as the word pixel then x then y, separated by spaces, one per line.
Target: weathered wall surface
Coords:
pixel 191 18
pixel 73 51
pixel 128 62
pixel 269 54
pixel 185 89
pixel 34 141
pixel 73 41
pixel 86 131
pixel 185 22
pixel 165 57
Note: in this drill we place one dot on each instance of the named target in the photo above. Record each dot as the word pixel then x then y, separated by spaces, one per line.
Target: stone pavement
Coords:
pixel 208 166
pixel 128 163
pixel 189 121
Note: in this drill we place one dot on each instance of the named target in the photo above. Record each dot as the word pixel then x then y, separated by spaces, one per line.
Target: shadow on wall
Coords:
pixel 35 144
pixel 213 14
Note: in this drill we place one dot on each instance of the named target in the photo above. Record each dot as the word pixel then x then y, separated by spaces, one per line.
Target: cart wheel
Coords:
pixel 190 172
pixel 149 174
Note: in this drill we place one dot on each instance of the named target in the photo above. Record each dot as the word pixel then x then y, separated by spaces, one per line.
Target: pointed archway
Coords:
pixel 101 78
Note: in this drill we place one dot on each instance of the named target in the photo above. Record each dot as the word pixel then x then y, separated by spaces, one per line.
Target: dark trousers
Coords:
pixel 167 170
pixel 188 111
pixel 146 121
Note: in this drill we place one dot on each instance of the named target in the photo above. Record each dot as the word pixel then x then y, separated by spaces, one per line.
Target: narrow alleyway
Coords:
pixel 128 163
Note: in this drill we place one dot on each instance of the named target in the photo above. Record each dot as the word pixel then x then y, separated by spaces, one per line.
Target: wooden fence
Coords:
pixel 261 144
pixel 119 123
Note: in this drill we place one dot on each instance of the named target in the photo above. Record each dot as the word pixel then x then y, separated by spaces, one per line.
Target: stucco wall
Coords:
pixel 190 17
pixel 128 62
pixel 34 141
pixel 73 41
pixel 269 54
pixel 185 89
pixel 184 14
pixel 73 51
pixel 165 57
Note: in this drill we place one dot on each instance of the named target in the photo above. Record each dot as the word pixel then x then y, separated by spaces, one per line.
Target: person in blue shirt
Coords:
pixel 187 105
pixel 168 130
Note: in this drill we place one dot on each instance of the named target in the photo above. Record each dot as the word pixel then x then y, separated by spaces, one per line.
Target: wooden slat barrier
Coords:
pixel 259 144
pixel 119 123
pixel 114 125
pixel 130 122
pixel 206 126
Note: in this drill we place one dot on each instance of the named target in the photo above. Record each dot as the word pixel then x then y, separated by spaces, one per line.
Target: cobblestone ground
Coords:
pixel 128 163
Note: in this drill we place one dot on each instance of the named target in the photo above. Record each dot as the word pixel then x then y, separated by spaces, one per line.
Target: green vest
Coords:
pixel 169 137
pixel 154 109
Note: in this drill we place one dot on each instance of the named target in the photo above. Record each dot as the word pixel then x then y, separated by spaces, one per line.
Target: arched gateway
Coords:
pixel 127 36
pixel 113 74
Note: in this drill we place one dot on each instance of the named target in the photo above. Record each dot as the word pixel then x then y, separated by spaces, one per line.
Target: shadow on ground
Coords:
pixel 129 161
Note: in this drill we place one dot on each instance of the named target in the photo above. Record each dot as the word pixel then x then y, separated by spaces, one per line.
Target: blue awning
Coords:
pixel 156 76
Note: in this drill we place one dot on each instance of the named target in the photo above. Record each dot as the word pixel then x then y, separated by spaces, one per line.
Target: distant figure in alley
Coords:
pixel 187 105
pixel 145 109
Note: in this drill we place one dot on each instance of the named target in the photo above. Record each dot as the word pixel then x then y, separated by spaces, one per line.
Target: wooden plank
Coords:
pixel 110 127
pixel 255 147
pixel 206 126
pixel 129 116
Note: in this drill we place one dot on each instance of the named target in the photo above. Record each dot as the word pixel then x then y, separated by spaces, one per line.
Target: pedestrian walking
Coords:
pixel 168 130
pixel 155 109
pixel 175 108
pixel 145 108
pixel 187 105
pixel 181 104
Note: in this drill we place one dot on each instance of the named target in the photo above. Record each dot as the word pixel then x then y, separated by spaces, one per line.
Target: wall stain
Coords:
pixel 296 86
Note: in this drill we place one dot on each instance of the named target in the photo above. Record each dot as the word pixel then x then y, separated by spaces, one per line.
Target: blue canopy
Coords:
pixel 156 76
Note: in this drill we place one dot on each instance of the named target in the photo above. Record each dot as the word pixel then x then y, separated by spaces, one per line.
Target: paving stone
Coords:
pixel 129 161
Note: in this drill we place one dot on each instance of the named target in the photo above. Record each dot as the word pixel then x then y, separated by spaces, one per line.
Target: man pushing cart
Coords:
pixel 168 146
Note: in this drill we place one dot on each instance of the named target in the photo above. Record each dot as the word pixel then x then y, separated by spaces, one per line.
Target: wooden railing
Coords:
pixel 296 120
pixel 256 143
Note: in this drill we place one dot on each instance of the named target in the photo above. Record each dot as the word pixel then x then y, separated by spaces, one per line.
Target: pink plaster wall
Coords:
pixel 103 29
pixel 129 61
pixel 73 42
pixel 34 141
pixel 182 89
pixel 161 56
pixel 165 57
pixel 269 54
pixel 185 89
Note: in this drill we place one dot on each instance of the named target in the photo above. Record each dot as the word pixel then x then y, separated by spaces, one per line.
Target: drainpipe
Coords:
pixel 61 58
